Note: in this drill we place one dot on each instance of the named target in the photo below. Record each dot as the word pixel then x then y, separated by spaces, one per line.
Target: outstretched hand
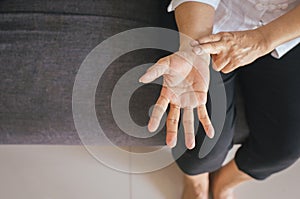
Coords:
pixel 185 85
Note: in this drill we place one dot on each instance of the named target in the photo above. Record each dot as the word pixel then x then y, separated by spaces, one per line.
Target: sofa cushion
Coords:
pixel 42 46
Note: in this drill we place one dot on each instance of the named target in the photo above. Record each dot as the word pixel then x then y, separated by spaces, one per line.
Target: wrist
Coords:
pixel 185 46
pixel 265 42
pixel 186 50
pixel 185 42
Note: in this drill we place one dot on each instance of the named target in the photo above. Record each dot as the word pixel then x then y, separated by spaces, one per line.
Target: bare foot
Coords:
pixel 224 181
pixel 196 187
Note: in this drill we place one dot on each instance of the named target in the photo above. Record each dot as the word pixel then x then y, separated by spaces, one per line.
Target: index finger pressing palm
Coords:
pixel 185 86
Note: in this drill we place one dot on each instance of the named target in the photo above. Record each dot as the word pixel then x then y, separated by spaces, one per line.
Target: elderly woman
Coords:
pixel 256 41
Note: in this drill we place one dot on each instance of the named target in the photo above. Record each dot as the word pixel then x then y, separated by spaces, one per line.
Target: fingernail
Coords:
pixel 197 50
pixel 191 145
pixel 211 133
pixel 150 128
pixel 215 67
pixel 152 125
pixel 172 143
pixel 194 43
pixel 143 79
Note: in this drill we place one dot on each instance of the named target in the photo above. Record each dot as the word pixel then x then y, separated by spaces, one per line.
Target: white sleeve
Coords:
pixel 284 48
pixel 175 3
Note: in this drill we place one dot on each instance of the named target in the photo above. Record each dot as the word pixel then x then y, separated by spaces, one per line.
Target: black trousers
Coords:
pixel 271 90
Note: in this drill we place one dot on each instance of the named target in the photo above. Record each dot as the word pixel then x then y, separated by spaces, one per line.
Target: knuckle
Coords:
pixel 230 65
pixel 172 121
pixel 207 126
pixel 234 52
pixel 213 45
pixel 160 60
pixel 211 37
pixel 207 123
pixel 203 117
pixel 226 59
pixel 158 107
pixel 228 38
pixel 229 34
pixel 231 43
pixel 175 106
pixel 156 114
pixel 235 60
pixel 225 34
pixel 202 98
pixel 164 100
pixel 171 132
pixel 188 122
pixel 227 69
pixel 155 117
pixel 189 132
pixel 222 34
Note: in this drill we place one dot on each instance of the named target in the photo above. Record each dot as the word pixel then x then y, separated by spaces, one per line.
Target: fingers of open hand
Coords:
pixel 188 124
pixel 205 121
pixel 155 71
pixel 159 108
pixel 172 125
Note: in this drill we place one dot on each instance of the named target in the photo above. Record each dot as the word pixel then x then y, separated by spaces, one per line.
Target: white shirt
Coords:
pixel 237 15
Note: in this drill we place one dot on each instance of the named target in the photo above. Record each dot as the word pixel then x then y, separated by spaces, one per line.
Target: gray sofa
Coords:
pixel 43 43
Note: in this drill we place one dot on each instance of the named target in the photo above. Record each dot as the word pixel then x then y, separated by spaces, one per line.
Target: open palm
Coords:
pixel 185 85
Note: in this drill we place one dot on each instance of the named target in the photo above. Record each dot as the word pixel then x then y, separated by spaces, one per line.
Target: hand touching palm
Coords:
pixel 185 85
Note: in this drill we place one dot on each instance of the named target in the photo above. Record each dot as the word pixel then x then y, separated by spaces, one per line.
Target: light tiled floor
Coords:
pixel 70 172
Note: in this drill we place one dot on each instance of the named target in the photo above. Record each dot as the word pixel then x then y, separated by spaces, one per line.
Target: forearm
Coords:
pixel 195 20
pixel 283 29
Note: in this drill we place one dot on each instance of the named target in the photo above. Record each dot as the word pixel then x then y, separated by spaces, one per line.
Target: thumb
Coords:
pixel 155 71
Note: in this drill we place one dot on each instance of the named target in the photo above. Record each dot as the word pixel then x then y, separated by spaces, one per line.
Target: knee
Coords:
pixel 281 156
pixel 263 163
pixel 283 149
